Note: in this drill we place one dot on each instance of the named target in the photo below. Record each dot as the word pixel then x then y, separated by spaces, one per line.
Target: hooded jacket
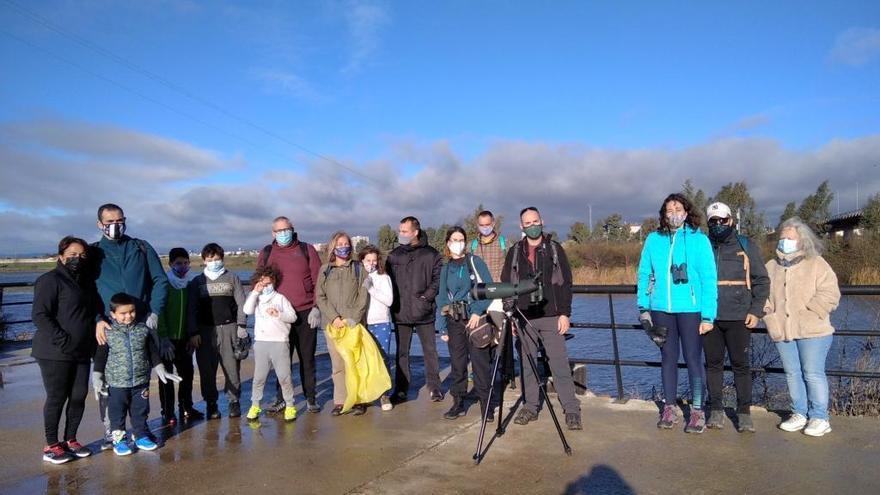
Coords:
pixel 802 297
pixel 64 314
pixel 735 298
pixel 341 293
pixel 415 271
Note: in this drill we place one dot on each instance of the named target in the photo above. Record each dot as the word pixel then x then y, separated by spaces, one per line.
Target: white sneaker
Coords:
pixel 386 403
pixel 795 422
pixel 817 427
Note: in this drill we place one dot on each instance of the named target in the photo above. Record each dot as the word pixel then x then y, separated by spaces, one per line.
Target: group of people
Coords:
pixel 110 311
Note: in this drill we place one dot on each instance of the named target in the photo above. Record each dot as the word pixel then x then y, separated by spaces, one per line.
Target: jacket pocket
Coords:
pixel 811 323
pixel 775 326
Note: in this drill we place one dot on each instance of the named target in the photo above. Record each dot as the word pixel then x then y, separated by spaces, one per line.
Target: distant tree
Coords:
pixel 742 205
pixel 815 208
pixel 790 211
pixel 579 233
pixel 612 228
pixel 871 215
pixel 649 225
pixel 360 245
pixel 437 237
pixel 697 198
pixel 387 238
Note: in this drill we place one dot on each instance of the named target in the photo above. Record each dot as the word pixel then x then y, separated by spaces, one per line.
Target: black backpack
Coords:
pixel 304 247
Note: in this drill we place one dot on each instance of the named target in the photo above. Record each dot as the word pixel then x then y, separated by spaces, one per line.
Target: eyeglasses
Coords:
pixel 286 229
pixel 718 221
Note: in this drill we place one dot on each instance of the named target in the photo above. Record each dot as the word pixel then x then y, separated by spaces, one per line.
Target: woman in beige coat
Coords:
pixel 803 293
pixel 343 300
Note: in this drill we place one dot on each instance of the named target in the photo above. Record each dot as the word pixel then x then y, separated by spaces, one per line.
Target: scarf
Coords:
pixel 177 282
pixel 789 260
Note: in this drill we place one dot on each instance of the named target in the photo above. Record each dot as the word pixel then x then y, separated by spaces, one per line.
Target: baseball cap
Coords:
pixel 719 210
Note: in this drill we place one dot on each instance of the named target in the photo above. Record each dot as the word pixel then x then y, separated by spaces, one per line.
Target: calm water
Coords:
pixel 858 313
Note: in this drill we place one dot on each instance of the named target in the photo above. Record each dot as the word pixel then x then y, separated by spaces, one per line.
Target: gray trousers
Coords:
pixel 275 355
pixel 338 371
pixel 554 346
pixel 216 350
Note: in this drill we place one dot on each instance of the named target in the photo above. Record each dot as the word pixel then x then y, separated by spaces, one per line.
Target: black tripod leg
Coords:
pixel 478 455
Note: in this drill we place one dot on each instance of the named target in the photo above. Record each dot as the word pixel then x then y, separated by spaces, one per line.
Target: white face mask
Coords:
pixel 456 247
pixel 787 246
pixel 214 266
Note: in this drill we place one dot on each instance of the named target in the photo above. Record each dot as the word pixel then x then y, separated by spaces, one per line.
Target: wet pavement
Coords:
pixel 412 449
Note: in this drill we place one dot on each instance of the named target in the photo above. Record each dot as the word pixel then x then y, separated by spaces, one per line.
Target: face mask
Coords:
pixel 285 237
pixel 268 290
pixel 404 240
pixel 676 221
pixel 370 268
pixel 214 266
pixel 787 246
pixel 342 252
pixel 180 270
pixel 533 231
pixel 720 232
pixel 74 264
pixel 114 231
pixel 456 247
pixel 486 231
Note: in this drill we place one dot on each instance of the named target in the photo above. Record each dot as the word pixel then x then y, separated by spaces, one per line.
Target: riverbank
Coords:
pixel 232 262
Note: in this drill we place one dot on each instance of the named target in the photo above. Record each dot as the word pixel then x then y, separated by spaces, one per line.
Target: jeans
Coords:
pixel 804 364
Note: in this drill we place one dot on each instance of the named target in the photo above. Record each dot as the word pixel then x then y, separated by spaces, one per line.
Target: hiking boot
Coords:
pixel 145 443
pixel 573 421
pixel 817 427
pixel 56 454
pixel 386 403
pixel 524 417
pixel 436 395
pixel 234 409
pixel 456 411
pixel 795 422
pixel 697 422
pixel 77 448
pixel 744 423
pixel 254 412
pixel 212 411
pixel 289 413
pixel 337 410
pixel 276 407
pixel 358 409
pixel 312 406
pixel 668 418
pixel 716 420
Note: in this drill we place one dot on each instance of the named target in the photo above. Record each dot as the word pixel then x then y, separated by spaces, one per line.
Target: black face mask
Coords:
pixel 720 232
pixel 74 264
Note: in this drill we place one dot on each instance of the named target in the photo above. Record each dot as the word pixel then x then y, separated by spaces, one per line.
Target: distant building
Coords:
pixel 845 224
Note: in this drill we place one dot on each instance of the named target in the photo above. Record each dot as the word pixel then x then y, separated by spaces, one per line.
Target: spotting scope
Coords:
pixel 501 290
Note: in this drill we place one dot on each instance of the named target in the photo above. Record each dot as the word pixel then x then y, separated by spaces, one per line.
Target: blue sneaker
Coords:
pixel 145 443
pixel 121 448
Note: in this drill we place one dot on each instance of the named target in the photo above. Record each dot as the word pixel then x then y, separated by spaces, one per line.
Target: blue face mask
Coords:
pixel 787 246
pixel 214 266
pixel 268 290
pixel 179 269
pixel 343 252
pixel 284 237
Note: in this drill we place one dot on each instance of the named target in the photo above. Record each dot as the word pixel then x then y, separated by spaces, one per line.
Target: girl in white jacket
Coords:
pixel 273 315
pixel 378 284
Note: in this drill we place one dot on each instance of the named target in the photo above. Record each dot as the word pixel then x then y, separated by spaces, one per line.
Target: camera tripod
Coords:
pixel 505 345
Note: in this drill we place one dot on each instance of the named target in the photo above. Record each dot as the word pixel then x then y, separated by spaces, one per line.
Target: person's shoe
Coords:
pixel 456 411
pixel 697 422
pixel 436 395
pixel 213 412
pixel 234 409
pixel 107 441
pixel 289 413
pixel 524 417
pixel 77 448
pixel 312 406
pixel 254 412
pixel 744 423
pixel 399 398
pixel 817 427
pixel 337 410
pixel 358 409
pixel 276 407
pixel 795 422
pixel 169 420
pixel 56 454
pixel 490 418
pixel 190 414
pixel 145 443
pixel 668 418
pixel 716 420
pixel 120 443
pixel 386 403
pixel 573 421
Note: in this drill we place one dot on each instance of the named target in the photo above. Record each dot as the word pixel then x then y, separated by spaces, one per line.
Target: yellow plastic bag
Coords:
pixel 366 377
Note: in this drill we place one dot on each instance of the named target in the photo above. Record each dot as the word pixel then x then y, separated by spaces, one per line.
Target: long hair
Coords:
pixel 446 252
pixel 331 256
pixel 371 249
pixel 809 243
pixel 692 219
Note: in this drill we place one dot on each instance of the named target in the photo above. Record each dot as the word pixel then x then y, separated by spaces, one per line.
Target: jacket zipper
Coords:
pixel 669 276
pixel 130 357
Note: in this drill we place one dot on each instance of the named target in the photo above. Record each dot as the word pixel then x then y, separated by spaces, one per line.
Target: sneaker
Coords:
pixel 668 418
pixel 795 422
pixel 744 423
pixel 337 410
pixel 145 443
pixel 697 422
pixel 716 420
pixel 107 441
pixel 190 414
pixel 234 410
pixel 276 407
pixel 213 412
pixel 289 413
pixel 254 412
pixel 817 427
pixel 169 420
pixel 399 398
pixel 524 417
pixel 573 421
pixel 312 406
pixel 456 411
pixel 358 409
pixel 436 395
pixel 77 448
pixel 56 454
pixel 386 403
pixel 490 418
pixel 120 445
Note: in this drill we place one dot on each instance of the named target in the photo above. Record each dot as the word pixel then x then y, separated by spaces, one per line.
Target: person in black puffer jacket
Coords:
pixel 415 267
pixel 63 345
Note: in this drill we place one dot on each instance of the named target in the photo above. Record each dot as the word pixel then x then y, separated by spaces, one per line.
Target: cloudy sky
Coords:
pixel 204 120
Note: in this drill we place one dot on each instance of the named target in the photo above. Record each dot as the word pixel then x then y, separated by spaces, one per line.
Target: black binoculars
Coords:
pixel 679 273
pixel 457 310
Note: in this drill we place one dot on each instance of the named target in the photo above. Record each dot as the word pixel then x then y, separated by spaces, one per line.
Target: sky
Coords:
pixel 205 120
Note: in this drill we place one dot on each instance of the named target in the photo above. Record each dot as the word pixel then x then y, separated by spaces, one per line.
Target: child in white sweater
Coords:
pixel 273 315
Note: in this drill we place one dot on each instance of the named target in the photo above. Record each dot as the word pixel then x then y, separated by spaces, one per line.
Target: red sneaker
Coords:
pixel 56 454
pixel 77 448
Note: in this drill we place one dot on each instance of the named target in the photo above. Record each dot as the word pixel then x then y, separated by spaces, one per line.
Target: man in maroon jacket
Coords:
pixel 299 264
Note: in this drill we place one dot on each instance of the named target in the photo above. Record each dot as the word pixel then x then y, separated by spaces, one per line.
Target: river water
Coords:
pixel 855 312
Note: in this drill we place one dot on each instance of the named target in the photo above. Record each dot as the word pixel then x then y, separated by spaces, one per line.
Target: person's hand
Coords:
pixel 315 318
pixel 751 321
pixel 338 322
pixel 101 332
pixel 444 338
pixel 98 385
pixel 368 282
pixel 272 311
pixel 563 324
pixel 242 332
pixel 473 321
pixel 152 321
pixel 164 375
pixel 167 351
pixel 706 327
pixel 195 341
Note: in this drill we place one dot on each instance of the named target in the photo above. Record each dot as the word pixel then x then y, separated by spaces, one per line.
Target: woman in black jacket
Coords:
pixel 63 345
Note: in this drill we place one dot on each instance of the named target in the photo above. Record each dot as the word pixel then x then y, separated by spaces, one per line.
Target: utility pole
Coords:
pixel 591 216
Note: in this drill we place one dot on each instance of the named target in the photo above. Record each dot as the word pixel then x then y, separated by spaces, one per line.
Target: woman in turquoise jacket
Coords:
pixel 678 291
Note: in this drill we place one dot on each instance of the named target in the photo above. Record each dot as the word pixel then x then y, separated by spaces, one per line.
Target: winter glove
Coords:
pixel 166 349
pixel 315 318
pixel 98 385
pixel 350 323
pixel 152 321
pixel 368 282
pixel 645 318
pixel 164 375
pixel 242 332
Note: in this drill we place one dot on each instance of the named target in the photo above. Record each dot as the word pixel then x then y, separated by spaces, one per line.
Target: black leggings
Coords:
pixel 65 382
pixel 683 334
pixel 735 338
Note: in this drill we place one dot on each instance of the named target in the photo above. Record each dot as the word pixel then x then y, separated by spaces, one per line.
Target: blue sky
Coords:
pixel 439 104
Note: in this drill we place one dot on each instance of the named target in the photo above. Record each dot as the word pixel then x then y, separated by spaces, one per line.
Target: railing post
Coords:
pixel 620 399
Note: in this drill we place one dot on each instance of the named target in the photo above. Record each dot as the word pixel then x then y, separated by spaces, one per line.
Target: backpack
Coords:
pixel 514 265
pixel 357 269
pixel 501 240
pixel 304 247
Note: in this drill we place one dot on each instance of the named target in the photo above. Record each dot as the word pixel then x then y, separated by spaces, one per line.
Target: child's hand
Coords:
pixel 273 312
pixel 258 287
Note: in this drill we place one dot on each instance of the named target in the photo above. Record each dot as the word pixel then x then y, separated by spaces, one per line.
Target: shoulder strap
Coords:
pixel 267 251
pixel 743 242
pixel 474 245
pixel 357 269
pixel 305 250
pixel 503 243
pixel 473 269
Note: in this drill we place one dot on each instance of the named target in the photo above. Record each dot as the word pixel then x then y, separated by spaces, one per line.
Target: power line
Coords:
pixel 33 16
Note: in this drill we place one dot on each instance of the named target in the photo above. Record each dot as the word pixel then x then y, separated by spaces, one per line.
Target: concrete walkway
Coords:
pixel 414 450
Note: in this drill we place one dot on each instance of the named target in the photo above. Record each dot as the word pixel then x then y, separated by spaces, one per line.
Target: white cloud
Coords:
pixel 288 83
pixel 856 47
pixel 365 21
